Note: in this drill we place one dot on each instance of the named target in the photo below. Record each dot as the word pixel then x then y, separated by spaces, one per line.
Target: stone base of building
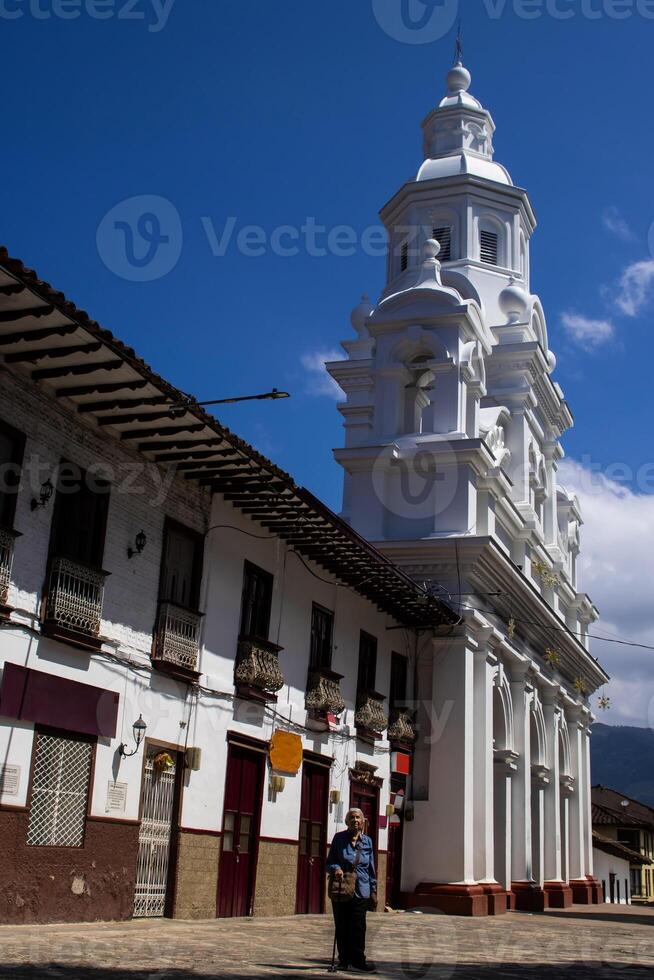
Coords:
pixel 276 883
pixel 558 895
pixel 528 896
pixel 586 891
pixel 196 879
pixel 469 900
pixel 498 899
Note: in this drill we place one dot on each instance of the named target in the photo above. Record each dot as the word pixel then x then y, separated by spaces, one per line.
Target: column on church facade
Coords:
pixel 578 807
pixel 439 858
pixel 595 886
pixel 485 667
pixel 527 895
pixel 558 893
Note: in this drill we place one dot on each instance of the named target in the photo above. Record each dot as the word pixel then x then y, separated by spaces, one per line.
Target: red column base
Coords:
pixel 498 899
pixel 528 896
pixel 469 900
pixel 558 895
pixel 586 891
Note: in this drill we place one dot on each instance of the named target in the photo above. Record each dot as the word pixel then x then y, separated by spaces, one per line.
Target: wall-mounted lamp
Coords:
pixel 139 728
pixel 277 784
pixel 140 542
pixel 45 494
pixel 334 796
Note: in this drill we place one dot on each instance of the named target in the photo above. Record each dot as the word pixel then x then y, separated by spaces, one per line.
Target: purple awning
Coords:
pixel 31 695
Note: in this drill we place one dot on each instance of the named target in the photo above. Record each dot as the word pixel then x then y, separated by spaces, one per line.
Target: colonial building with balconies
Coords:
pixel 173 608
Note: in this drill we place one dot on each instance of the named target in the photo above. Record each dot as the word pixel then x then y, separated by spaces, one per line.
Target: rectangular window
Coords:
pixel 489 247
pixel 181 569
pixel 12 447
pixel 367 663
pixel 444 238
pixel 404 256
pixel 80 516
pixel 60 791
pixel 399 666
pixel 322 629
pixel 256 602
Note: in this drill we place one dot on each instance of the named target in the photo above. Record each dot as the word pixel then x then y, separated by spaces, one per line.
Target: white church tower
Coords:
pixel 452 441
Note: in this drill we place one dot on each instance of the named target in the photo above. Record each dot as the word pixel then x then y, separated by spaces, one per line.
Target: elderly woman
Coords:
pixel 351 850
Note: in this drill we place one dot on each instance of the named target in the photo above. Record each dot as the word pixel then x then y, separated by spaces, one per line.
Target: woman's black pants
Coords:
pixel 350 919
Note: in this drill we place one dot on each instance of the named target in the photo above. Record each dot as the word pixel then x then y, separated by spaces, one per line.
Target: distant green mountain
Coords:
pixel 623 759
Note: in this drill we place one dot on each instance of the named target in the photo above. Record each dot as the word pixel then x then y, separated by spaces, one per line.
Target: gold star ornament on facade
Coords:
pixel 552 657
pixel 580 687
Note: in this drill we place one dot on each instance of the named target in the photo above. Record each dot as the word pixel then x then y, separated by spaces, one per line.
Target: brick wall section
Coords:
pixel 196 880
pixel 276 878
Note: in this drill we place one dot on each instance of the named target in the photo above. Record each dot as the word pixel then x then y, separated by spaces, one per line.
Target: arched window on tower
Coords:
pixel 417 394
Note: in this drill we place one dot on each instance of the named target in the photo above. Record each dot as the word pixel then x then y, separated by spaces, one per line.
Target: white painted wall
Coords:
pixel 605 865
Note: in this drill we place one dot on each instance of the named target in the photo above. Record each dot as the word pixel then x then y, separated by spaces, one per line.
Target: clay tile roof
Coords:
pixel 608 804
pixel 617 850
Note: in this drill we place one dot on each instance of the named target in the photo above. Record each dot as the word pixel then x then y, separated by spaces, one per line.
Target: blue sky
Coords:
pixel 270 114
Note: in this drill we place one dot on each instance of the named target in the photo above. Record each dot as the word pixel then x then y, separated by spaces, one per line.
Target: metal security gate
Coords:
pixel 154 839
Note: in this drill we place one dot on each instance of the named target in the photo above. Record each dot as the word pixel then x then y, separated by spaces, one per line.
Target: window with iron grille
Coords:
pixel 489 242
pixel 404 256
pixel 444 238
pixel 256 602
pixel 367 675
pixel 60 791
pixel 322 628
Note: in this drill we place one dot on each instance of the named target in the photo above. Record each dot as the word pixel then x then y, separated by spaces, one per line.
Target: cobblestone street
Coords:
pixel 580 943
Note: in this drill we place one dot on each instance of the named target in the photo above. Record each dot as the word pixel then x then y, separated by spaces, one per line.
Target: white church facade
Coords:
pixel 453 425
pixel 202 666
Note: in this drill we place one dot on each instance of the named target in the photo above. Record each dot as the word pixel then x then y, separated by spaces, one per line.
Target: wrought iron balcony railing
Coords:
pixel 75 594
pixel 401 727
pixel 370 718
pixel 6 559
pixel 257 672
pixel 177 636
pixel 324 693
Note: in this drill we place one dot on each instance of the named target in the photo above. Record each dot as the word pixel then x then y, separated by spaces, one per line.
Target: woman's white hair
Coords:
pixel 354 809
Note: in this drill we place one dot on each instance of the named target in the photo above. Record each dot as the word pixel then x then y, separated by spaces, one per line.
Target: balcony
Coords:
pixel 257 674
pixel 6 558
pixel 176 638
pixel 73 605
pixel 323 695
pixel 370 718
pixel 401 731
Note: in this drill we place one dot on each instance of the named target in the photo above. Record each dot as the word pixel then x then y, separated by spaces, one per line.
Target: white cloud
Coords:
pixel 617 570
pixel 635 287
pixel 319 382
pixel 616 224
pixel 586 332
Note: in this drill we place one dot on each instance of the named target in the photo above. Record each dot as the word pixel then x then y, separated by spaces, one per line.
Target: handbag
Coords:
pixel 343 887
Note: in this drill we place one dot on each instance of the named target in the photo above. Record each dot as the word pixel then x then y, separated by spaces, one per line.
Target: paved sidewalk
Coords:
pixel 597 943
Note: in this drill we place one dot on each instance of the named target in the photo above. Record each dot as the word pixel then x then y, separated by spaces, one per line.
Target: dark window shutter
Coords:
pixel 489 242
pixel 404 256
pixel 444 238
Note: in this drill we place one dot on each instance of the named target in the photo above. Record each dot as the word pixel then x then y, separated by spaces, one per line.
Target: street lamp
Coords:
pixel 177 410
pixel 139 728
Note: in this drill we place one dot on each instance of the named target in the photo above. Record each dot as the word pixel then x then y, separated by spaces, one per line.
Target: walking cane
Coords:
pixel 333 968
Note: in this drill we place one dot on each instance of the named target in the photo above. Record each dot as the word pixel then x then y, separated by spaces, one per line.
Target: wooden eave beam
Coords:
pixel 122 403
pixel 76 369
pixel 12 289
pixel 135 417
pixel 102 389
pixel 172 430
pixel 157 444
pixel 10 316
pixel 52 352
pixel 180 456
pixel 217 464
pixel 65 330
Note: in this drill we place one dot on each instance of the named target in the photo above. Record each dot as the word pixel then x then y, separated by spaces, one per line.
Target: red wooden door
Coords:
pixel 238 857
pixel 394 862
pixel 313 840
pixel 366 799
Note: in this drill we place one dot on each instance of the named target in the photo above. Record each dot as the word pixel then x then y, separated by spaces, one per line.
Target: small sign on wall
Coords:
pixel 116 797
pixel 9 780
